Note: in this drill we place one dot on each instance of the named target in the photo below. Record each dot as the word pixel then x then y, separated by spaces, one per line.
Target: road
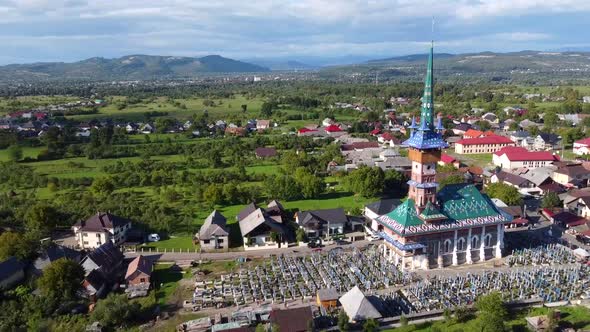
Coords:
pixel 231 255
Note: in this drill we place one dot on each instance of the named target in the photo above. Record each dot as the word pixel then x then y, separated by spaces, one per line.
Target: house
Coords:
pixel 572 174
pixel 374 210
pixel 579 205
pixel 322 223
pixel 139 271
pixel 519 136
pixel 473 133
pixel 491 118
pixel 292 320
pixel 523 185
pixel 52 253
pixel 461 128
pixel 546 141
pixel 568 219
pixel 258 226
pixel 488 144
pixel 12 272
pixel 214 233
pixel 327 298
pixel 147 129
pixel 327 122
pixel 357 306
pixel 526 123
pixel 582 147
pixel 101 228
pixel 586 99
pixel 388 138
pixel 236 131
pixel 265 152
pixel 102 268
pixel 262 125
pixel 512 157
pixel 446 159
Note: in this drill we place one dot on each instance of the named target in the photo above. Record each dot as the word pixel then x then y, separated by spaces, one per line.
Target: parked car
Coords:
pixel 153 237
pixel 374 237
pixel 583 239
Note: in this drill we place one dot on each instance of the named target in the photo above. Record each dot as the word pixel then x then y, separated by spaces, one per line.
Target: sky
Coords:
pixel 71 30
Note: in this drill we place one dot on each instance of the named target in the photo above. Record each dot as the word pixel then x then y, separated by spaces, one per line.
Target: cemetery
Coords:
pixel 548 273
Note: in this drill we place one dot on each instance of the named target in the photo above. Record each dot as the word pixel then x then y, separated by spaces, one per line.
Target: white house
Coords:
pixel 100 229
pixel 582 147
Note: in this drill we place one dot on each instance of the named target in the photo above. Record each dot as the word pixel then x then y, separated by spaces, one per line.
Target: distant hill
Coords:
pixel 288 65
pixel 131 67
pixel 513 66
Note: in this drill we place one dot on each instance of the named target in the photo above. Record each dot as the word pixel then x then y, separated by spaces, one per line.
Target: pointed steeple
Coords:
pixel 427 109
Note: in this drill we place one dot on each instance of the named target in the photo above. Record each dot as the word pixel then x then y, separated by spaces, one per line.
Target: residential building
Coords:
pixel 214 233
pixel 512 157
pixel 459 224
pixel 322 223
pixel 488 144
pixel 12 272
pixel 262 125
pixel 357 306
pixel 52 253
pixel 374 210
pixel 542 142
pixel 446 159
pixel 461 128
pixel 473 133
pixel 258 225
pixel 519 136
pixel 101 228
pixel 582 147
pixel 265 153
pixel 491 118
pixel 292 320
pixel 102 267
pixel 572 174
pixel 139 271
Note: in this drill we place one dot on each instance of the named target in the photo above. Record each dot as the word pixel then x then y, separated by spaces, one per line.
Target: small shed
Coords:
pixel 327 297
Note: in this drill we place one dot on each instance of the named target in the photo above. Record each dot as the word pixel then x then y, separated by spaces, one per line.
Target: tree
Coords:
pixel 366 181
pixel 260 327
pixel 41 219
pixel 311 185
pixel 15 152
pixel 275 237
pixel 508 194
pixel 483 125
pixel 282 187
pixel 343 321
pixel 394 182
pixel 370 325
pixel 213 194
pixel 267 108
pixel 491 312
pixel 114 310
pixel 102 186
pixel 61 280
pixel 550 200
pixel 300 234
pixel 451 179
pixel 462 314
pixel 550 119
pixel 18 245
pixel 244 108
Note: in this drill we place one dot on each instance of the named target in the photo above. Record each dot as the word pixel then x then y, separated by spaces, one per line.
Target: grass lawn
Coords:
pixel 30 152
pixel 174 242
pixel 166 282
pixel 478 159
pixel 577 317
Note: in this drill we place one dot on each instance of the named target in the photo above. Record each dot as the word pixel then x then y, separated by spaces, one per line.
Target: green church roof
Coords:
pixel 430 212
pixel 461 206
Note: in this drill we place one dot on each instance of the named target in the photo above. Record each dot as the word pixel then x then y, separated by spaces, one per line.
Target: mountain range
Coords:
pixel 486 65
pixel 131 67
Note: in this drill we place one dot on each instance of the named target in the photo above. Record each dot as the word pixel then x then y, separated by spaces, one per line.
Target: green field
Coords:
pixel 577 317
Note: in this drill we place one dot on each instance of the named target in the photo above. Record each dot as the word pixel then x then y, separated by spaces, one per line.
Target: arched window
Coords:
pixel 461 244
pixel 447 246
pixel 474 242
pixel 488 240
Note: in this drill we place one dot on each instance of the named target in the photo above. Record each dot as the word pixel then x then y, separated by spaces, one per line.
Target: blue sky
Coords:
pixel 70 30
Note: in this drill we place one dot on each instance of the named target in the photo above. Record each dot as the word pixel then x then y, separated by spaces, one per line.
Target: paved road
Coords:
pixel 231 255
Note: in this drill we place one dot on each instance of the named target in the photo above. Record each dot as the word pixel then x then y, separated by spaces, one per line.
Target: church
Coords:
pixel 456 225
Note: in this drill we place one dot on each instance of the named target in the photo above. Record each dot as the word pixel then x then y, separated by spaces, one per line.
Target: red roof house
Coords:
pixel 446 159
pixel 333 128
pixel 511 157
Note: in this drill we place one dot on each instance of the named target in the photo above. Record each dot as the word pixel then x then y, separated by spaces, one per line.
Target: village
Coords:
pixel 488 206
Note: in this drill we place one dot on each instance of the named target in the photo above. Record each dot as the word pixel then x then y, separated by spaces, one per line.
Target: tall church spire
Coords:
pixel 427 109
